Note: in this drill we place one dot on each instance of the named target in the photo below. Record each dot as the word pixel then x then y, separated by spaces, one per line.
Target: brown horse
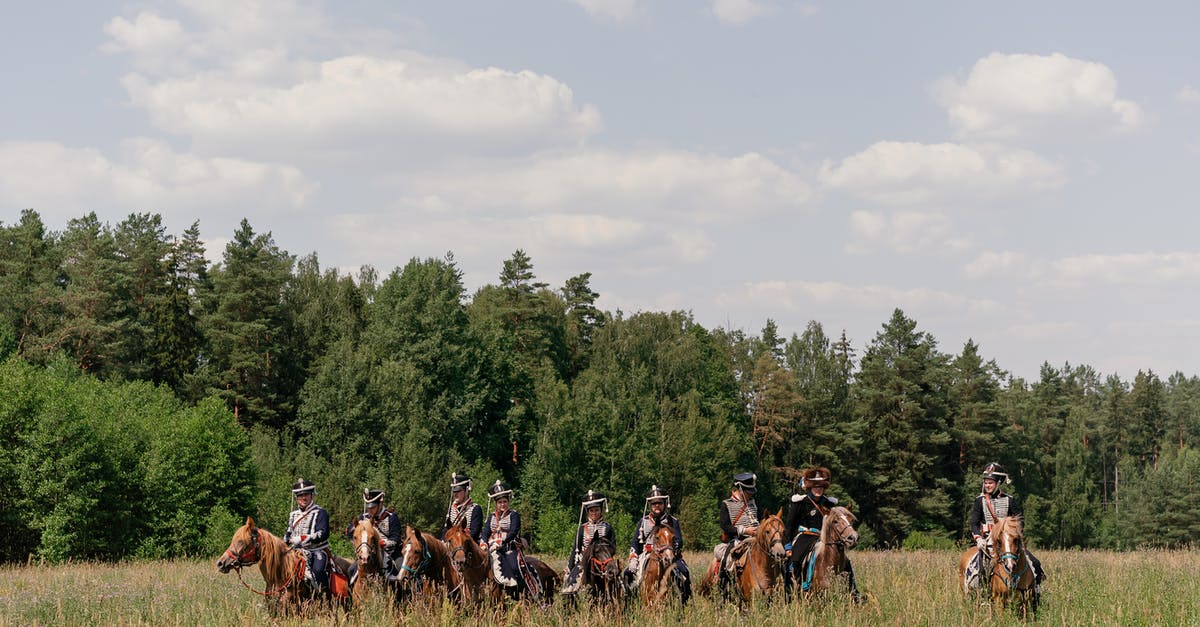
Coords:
pixel 1012 576
pixel 764 559
pixel 370 558
pixel 828 559
pixel 282 568
pixel 470 563
pixel 601 571
pixel 425 562
pixel 658 567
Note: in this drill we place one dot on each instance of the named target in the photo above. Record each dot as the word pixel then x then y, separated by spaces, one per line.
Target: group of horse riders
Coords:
pixel 499 532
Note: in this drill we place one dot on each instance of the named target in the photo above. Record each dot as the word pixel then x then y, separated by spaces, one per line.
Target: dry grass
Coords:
pixel 906 588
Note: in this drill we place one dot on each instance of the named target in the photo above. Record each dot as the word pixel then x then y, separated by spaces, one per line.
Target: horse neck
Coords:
pixel 275 559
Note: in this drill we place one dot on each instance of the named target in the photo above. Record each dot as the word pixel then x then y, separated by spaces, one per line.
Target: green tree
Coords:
pixel 909 459
pixel 246 330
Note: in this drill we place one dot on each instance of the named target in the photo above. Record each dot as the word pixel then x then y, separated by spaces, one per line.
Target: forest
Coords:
pixel 150 400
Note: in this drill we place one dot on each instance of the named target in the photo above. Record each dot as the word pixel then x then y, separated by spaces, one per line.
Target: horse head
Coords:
pixel 366 538
pixel 1008 541
pixel 839 525
pixel 769 538
pixel 663 544
pixel 243 548
pixel 415 557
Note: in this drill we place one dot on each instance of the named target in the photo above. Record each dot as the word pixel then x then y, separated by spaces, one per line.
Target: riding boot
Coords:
pixel 854 593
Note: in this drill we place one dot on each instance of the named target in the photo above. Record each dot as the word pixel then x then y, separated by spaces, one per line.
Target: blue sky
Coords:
pixel 1021 173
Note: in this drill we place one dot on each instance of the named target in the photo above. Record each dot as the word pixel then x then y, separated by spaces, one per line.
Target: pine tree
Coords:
pixel 902 391
pixel 246 329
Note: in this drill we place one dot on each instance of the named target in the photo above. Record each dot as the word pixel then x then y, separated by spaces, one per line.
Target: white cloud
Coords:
pixel 691 245
pixel 738 11
pixel 906 172
pixel 612 9
pixel 666 185
pixel 145 175
pixel 1127 268
pixel 1025 95
pixel 1001 264
pixel 903 232
pixel 588 230
pixel 1189 95
pixel 408 103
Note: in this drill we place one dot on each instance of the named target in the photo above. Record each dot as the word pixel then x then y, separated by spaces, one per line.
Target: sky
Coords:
pixel 1020 174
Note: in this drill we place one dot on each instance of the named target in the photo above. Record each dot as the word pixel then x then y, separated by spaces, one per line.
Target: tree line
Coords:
pixel 149 400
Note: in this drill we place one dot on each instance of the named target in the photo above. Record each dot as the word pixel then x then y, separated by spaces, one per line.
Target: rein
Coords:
pixel 254 559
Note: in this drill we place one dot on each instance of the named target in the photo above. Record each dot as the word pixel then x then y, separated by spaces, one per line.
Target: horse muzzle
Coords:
pixel 851 539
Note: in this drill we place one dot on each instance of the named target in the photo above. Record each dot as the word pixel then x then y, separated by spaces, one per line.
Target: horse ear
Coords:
pixel 780 512
pixel 250 522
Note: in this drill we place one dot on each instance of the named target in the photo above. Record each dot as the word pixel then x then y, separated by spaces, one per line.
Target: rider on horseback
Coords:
pixel 658 502
pixel 739 521
pixel 501 534
pixel 806 515
pixel 388 524
pixel 308 532
pixel 594 504
pixel 991 504
pixel 462 507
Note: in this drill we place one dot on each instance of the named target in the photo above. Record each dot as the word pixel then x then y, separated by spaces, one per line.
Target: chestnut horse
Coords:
pixel 1012 577
pixel 470 563
pixel 425 562
pixel 282 568
pixel 658 567
pixel 764 559
pixel 370 558
pixel 827 563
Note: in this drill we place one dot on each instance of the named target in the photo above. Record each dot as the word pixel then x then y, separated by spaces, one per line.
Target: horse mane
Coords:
pixel 1012 525
pixel 771 520
pixel 273 554
pixel 834 512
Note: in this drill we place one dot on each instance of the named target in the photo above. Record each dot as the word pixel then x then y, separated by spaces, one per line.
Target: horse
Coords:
pixel 1012 576
pixel 601 572
pixel 658 568
pixel 369 557
pixel 425 562
pixel 764 558
pixel 282 567
pixel 469 561
pixel 827 562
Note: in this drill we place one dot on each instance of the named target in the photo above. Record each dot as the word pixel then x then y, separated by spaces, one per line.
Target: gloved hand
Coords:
pixel 382 542
pixel 980 543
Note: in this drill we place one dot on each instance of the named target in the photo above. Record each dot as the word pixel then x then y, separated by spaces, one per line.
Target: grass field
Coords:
pixel 906 588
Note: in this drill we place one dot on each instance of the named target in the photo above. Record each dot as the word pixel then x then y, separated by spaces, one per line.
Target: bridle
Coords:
pixel 366 542
pixel 839 530
pixel 765 547
pixel 1008 558
pixel 598 566
pixel 250 556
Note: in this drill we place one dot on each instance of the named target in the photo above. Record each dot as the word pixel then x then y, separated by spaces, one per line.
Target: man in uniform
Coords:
pixel 739 521
pixel 463 508
pixel 658 503
pixel 594 527
pixel 308 531
pixel 992 504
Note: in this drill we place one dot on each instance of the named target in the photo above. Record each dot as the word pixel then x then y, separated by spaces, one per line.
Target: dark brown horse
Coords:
pixel 828 563
pixel 425 563
pixel 601 574
pixel 282 568
pixel 658 567
pixel 764 561
pixel 1012 576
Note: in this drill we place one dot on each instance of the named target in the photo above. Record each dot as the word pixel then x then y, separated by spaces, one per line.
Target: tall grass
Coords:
pixel 905 588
